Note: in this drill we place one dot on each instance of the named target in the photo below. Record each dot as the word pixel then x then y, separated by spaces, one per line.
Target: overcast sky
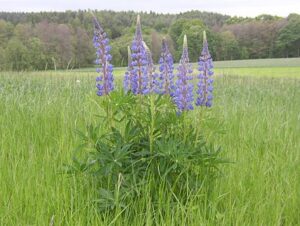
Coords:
pixel 230 7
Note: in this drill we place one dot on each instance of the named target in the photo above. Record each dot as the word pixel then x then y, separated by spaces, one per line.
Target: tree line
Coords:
pixel 63 40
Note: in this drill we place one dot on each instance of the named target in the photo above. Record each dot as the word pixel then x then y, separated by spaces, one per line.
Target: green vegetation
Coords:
pixel 39 112
pixel 49 40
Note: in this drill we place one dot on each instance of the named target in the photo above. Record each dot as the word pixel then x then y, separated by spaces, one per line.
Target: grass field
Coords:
pixel 282 67
pixel 254 63
pixel 278 62
pixel 260 111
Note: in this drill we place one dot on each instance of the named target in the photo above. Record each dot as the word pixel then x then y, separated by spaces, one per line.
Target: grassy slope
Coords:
pixel 38 116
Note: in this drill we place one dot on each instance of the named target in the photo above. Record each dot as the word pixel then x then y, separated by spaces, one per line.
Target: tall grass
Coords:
pixel 39 113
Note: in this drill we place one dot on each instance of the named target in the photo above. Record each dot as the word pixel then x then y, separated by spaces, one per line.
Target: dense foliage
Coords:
pixel 49 40
pixel 142 148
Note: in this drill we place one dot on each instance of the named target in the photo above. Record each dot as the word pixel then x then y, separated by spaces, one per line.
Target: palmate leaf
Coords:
pixel 107 200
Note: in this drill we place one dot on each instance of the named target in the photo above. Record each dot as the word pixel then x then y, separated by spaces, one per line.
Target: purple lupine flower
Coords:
pixel 166 67
pixel 152 76
pixel 105 80
pixel 138 66
pixel 183 95
pixel 205 84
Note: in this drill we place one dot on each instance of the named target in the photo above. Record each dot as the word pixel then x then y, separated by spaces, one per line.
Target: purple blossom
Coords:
pixel 137 75
pixel 105 80
pixel 205 84
pixel 152 76
pixel 166 67
pixel 183 95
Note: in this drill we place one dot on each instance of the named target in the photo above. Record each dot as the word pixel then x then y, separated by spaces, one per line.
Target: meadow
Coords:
pixel 256 108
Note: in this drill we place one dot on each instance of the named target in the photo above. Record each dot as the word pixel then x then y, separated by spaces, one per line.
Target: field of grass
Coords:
pixel 282 67
pixel 255 63
pixel 275 62
pixel 40 111
pixel 274 72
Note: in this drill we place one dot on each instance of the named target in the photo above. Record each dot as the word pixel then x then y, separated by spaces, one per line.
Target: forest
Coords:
pixel 63 40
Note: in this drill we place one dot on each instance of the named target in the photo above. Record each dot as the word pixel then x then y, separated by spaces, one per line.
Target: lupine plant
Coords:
pixel 141 150
pixel 205 84
pixel 183 95
pixel 138 66
pixel 166 68
pixel 154 86
pixel 105 80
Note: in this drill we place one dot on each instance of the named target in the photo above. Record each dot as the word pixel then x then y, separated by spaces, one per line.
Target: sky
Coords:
pixel 249 8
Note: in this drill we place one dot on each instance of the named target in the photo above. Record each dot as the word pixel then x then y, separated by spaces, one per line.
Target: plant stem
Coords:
pixel 184 126
pixel 109 113
pixel 152 123
pixel 198 125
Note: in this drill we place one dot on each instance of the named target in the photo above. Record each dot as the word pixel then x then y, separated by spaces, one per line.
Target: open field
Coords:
pixel 287 72
pixel 274 72
pixel 39 112
pixel 282 67
pixel 276 62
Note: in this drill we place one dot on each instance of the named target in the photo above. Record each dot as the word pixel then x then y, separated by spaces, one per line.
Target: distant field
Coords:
pixel 276 62
pixel 288 72
pixel 283 67
pixel 274 72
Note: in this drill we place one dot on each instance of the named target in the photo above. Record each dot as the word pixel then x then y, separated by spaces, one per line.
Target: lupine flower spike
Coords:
pixel 183 96
pixel 205 84
pixel 166 67
pixel 152 76
pixel 128 73
pixel 138 68
pixel 105 80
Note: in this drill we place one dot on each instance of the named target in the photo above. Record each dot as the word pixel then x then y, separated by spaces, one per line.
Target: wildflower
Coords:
pixel 152 76
pixel 205 84
pixel 105 79
pixel 139 61
pixel 183 95
pixel 166 69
